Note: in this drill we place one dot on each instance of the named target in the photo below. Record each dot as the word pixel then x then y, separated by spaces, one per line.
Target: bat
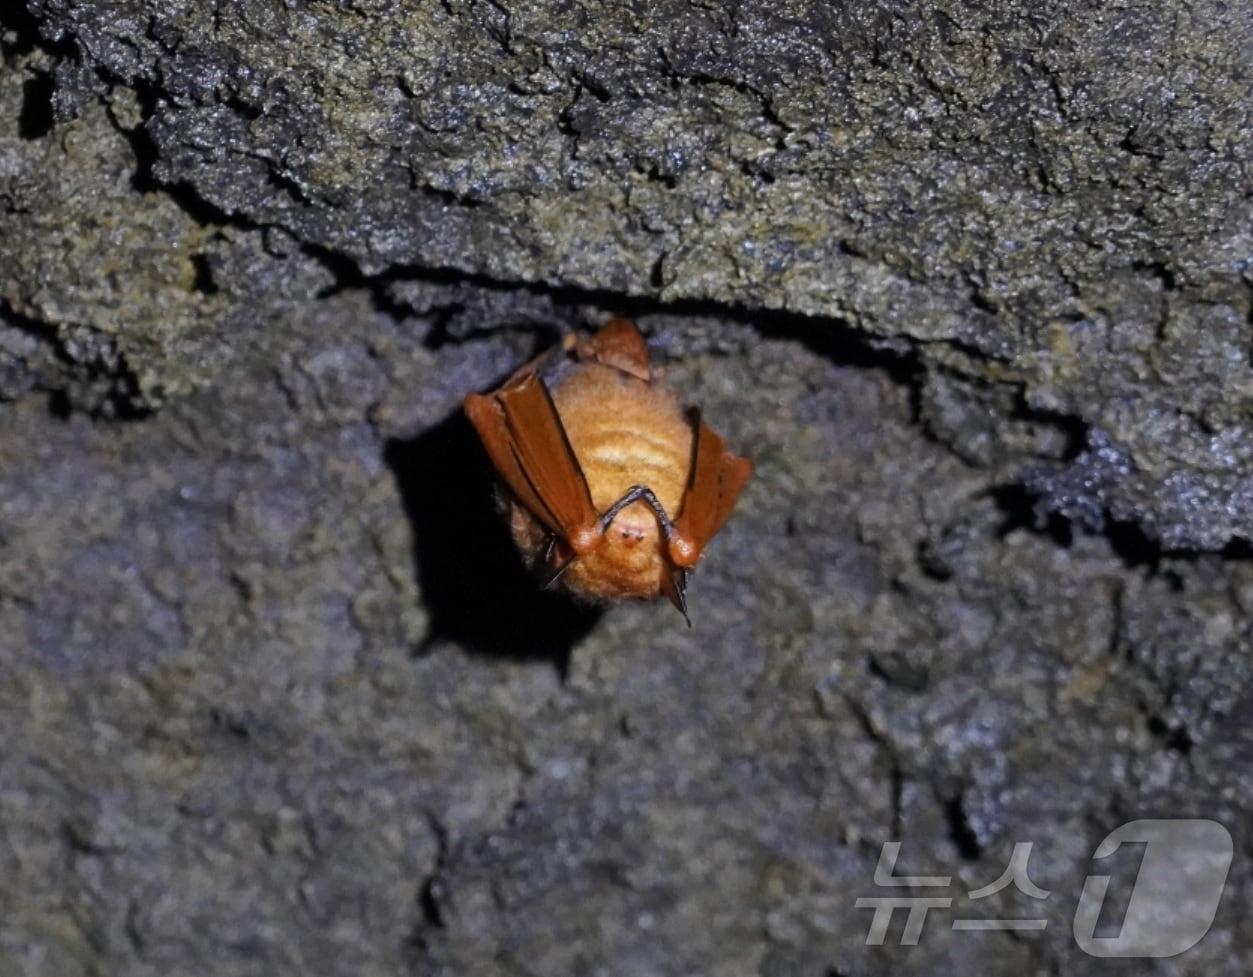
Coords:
pixel 616 489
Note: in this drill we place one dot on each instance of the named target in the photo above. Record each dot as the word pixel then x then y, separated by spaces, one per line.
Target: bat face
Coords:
pixel 616 489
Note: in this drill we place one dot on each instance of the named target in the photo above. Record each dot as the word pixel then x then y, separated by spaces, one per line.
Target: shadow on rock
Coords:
pixel 477 590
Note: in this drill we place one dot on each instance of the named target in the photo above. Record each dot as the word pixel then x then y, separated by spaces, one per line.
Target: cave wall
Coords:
pixel 971 285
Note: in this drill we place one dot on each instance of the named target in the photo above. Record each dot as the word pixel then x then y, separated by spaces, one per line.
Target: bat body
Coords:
pixel 616 489
pixel 624 432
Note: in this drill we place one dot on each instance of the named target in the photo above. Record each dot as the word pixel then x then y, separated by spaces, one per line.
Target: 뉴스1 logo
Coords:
pixel 1176 894
pixel 1173 901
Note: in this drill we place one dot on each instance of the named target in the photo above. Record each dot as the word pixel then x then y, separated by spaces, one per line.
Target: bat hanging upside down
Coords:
pixel 616 488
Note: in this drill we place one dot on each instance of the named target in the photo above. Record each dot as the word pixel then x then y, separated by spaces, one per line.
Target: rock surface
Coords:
pixel 971 285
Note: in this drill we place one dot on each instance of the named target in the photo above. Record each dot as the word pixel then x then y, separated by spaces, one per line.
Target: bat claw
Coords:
pixel 674 585
pixel 557 575
pixel 553 553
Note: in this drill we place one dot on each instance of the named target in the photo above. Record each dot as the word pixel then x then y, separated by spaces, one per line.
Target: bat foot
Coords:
pixel 557 558
pixel 674 586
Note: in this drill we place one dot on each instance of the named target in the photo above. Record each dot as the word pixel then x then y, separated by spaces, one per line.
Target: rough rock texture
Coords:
pixel 970 284
pixel 1059 194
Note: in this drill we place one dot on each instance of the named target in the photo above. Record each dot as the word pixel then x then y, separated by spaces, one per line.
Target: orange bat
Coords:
pixel 597 467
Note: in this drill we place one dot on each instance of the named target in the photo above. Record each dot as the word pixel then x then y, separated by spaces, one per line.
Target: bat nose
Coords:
pixel 632 527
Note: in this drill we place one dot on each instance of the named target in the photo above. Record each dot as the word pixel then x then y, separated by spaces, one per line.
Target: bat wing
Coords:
pixel 521 430
pixel 714 483
pixel 621 345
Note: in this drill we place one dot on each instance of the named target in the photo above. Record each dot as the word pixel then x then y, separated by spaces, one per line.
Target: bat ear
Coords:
pixel 619 344
pixel 674 586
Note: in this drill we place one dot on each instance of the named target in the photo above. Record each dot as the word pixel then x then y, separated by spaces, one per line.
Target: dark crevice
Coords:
pixel 832 338
pixel 204 212
pixel 1073 427
pixel 899 671
pixel 1249 330
pixel 33 327
pixel 346 272
pixel 430 913
pixel 59 405
pixel 203 282
pixel 233 724
pixel 19 31
pixel 1023 508
pixel 348 276
pixel 140 140
pixel 897 781
pixel 287 185
pixel 755 170
pixel 183 194
pixel 1020 508
pixel 19 34
pixel 124 401
pixel 36 117
pixel 592 86
pixel 1135 547
pixel 446 197
pixel 981 301
pixel 657 274
pixel 702 78
pixel 1160 272
pixel 960 831
pixel 245 109
pixel 547 328
pixel 837 341
pixel 1176 738
pixel 1239 549
pixel 655 174
pixel 428 905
